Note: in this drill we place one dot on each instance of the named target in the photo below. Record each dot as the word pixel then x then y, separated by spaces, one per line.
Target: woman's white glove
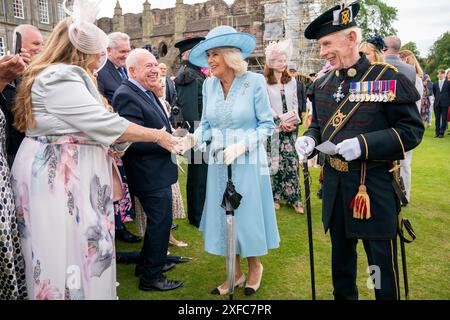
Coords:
pixel 187 143
pixel 349 149
pixel 233 152
pixel 304 146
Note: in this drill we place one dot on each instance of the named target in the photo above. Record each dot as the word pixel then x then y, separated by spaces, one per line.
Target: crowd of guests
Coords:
pixel 91 130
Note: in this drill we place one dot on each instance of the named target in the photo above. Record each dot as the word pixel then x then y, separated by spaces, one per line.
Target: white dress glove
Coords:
pixel 233 152
pixel 349 149
pixel 187 143
pixel 304 146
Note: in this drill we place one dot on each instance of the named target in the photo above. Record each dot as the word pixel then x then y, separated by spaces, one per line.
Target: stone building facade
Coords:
pixel 44 14
pixel 162 28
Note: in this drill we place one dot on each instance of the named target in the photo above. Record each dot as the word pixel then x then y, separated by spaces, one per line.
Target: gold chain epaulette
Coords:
pixel 390 66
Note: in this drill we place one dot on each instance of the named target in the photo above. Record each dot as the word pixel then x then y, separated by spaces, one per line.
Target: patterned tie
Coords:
pixel 122 73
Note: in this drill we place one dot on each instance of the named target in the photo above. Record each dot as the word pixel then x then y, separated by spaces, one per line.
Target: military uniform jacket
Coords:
pixel 189 84
pixel 385 131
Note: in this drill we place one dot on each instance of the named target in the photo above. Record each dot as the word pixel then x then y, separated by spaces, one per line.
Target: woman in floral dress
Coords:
pixel 283 160
pixel 63 173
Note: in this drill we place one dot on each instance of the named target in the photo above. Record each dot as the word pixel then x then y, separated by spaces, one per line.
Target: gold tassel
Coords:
pixel 361 202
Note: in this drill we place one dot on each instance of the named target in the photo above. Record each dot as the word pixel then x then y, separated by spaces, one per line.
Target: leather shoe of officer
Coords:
pixel 126 236
pixel 161 284
pixel 139 270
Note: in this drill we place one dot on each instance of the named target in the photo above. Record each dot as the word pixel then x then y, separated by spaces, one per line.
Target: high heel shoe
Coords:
pixel 178 243
pixel 239 283
pixel 249 290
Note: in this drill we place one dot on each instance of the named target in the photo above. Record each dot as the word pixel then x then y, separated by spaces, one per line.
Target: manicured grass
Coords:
pixel 286 270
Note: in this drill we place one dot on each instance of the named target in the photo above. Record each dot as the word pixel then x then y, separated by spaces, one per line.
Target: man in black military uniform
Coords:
pixel 189 84
pixel 369 111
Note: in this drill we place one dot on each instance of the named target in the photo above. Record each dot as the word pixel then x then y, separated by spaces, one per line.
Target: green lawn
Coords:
pixel 286 270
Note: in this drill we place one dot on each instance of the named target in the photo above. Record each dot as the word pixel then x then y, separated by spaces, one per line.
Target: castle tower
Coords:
pixel 180 20
pixel 118 18
pixel 147 23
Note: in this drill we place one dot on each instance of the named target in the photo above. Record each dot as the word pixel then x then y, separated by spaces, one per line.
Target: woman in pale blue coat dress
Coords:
pixel 237 117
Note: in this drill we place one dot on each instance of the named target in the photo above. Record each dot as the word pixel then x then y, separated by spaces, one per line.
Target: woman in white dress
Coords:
pixel 63 175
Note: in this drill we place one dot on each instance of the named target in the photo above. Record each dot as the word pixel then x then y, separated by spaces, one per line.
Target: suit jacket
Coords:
pixel 13 136
pixel 108 81
pixel 441 97
pixel 148 166
pixel 402 67
pixel 171 93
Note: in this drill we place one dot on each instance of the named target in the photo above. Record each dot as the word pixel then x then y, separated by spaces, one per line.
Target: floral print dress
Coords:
pixel 66 217
pixel 284 164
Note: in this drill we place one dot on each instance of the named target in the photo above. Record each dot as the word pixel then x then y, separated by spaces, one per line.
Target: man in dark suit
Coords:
pixel 441 92
pixel 32 44
pixel 151 168
pixel 171 94
pixel 110 77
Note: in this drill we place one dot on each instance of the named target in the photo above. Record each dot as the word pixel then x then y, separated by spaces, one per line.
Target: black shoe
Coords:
pixel 126 236
pixel 174 226
pixel 139 270
pixel 161 284
pixel 441 136
pixel 436 136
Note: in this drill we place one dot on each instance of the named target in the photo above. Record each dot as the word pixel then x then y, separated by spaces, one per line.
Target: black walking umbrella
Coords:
pixel 306 176
pixel 230 202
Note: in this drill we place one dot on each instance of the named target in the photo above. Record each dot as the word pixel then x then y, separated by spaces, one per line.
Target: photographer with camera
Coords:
pixel 28 43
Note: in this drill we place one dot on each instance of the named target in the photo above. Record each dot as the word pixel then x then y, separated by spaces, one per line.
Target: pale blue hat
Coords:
pixel 222 36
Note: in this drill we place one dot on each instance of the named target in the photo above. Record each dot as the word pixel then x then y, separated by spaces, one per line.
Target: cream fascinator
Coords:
pixel 83 33
pixel 277 50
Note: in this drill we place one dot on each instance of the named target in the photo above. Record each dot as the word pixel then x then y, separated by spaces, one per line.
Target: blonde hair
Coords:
pixel 233 58
pixel 409 57
pixel 379 57
pixel 58 49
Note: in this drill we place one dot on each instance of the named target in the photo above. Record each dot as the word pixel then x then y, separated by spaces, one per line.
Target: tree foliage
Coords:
pixel 373 23
pixel 439 56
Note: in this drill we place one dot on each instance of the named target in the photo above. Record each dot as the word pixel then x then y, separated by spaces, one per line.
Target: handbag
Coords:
pixel 290 117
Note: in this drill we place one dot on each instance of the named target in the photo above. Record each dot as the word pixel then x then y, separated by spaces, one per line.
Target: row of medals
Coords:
pixel 385 96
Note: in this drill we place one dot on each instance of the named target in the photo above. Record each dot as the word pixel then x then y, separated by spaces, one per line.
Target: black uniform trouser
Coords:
pixel 381 256
pixel 158 209
pixel 196 188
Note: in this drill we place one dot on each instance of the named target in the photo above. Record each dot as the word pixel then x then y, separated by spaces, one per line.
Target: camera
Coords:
pixel 176 110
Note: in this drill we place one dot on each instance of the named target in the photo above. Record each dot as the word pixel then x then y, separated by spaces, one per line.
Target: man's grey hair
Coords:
pixel 22 29
pixel 116 37
pixel 393 43
pixel 133 57
pixel 358 32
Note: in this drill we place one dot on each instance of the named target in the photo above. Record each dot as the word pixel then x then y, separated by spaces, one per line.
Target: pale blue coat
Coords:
pixel 245 116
